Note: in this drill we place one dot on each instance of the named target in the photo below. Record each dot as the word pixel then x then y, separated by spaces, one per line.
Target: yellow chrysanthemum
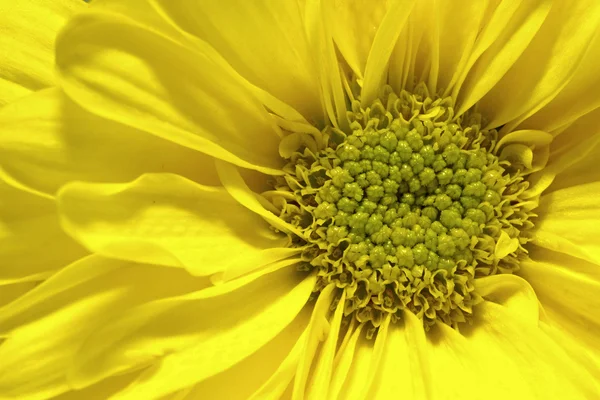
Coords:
pixel 319 199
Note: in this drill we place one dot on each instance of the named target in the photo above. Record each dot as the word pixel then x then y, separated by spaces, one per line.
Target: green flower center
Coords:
pixel 405 209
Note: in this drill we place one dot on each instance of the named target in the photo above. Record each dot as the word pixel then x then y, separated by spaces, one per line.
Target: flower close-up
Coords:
pixel 299 199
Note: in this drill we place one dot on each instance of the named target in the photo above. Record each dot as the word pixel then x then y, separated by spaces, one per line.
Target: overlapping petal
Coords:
pixel 184 351
pixel 46 327
pixel 265 41
pixel 47 140
pixel 156 84
pixel 32 243
pixel 29 28
pixel 168 220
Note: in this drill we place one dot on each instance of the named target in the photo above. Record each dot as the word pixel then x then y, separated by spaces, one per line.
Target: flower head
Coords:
pixel 299 199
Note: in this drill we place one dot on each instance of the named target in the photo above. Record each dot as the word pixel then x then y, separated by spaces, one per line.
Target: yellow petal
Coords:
pixel 575 153
pixel 10 292
pixel 353 26
pixel 405 364
pixel 189 339
pixel 343 360
pixel 277 384
pixel 162 87
pixel 524 360
pixel 569 221
pixel 32 243
pixel 546 66
pixel 102 390
pixel 238 189
pixel 53 320
pixel 567 288
pixel 512 292
pixel 458 24
pixel 265 42
pixel 510 30
pixel 320 39
pixel 577 98
pixel 318 331
pixel 573 157
pixel 168 220
pixel 250 373
pixel 321 372
pixel 47 140
pixel 382 48
pixel 29 28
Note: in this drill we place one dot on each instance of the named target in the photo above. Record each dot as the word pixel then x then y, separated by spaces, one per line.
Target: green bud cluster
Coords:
pixel 401 210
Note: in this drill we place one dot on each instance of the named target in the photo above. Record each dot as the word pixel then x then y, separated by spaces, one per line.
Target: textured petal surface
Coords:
pixel 185 350
pixel 46 326
pixel 158 85
pixel 569 220
pixel 168 220
pixel 32 243
pixel 547 65
pixel 251 373
pixel 47 140
pixel 510 30
pixel 28 30
pixel 567 288
pixel 265 42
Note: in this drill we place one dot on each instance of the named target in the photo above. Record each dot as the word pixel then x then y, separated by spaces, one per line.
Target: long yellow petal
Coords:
pixel 533 365
pixel 569 221
pixel 53 320
pixel 32 243
pixel 578 98
pixel 168 220
pixel 250 373
pixel 510 30
pixel 160 86
pixel 185 351
pixel 354 25
pixel 405 364
pixel 546 66
pixel 567 288
pixel 47 140
pixel 29 28
pixel 264 41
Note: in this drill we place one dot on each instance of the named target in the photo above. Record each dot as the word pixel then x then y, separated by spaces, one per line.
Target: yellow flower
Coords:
pixel 314 199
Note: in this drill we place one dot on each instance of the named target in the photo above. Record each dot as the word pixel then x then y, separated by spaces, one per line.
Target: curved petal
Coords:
pixel 569 221
pixel 353 27
pixel 546 66
pixel 185 351
pixel 168 220
pixel 12 291
pixel 578 98
pixel 567 288
pixel 519 360
pixel 156 84
pixel 322 370
pixel 250 373
pixel 318 331
pixel 50 322
pixel 405 365
pixel 264 41
pixel 572 159
pixel 47 140
pixel 29 28
pixel 32 243
pixel 510 30
pixel 512 292
pixel 385 39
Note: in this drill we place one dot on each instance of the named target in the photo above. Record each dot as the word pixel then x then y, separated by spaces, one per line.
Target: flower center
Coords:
pixel 405 209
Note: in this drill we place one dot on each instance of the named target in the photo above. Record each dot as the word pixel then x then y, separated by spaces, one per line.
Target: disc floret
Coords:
pixel 404 209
